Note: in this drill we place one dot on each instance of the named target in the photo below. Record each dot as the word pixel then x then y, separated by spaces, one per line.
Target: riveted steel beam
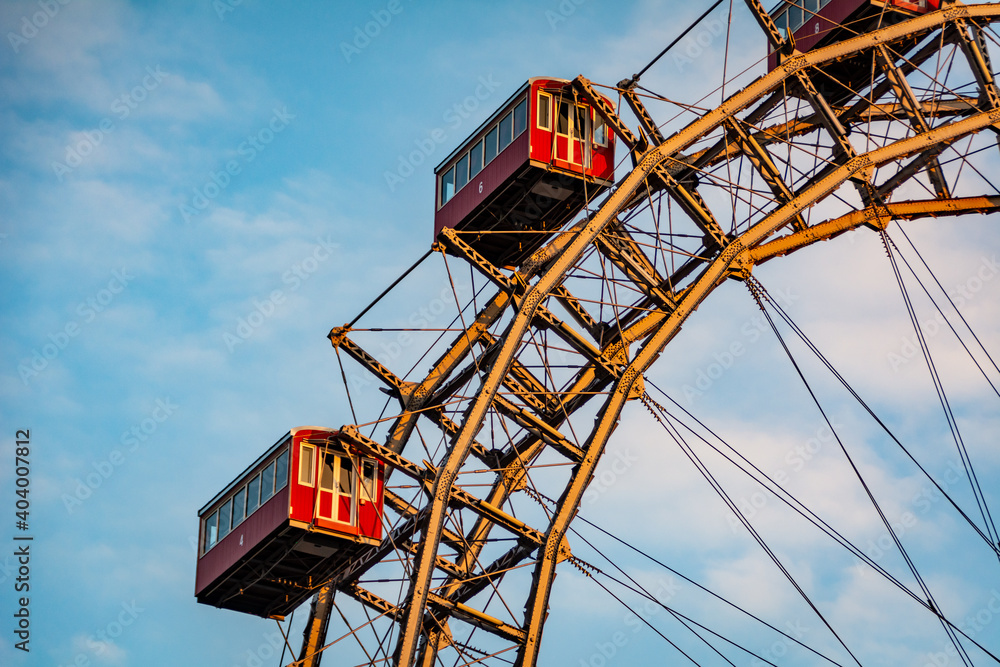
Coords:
pixel 762 162
pixel 972 44
pixel 903 210
pixel 623 253
pixel 579 313
pixel 314 633
pixel 713 275
pixel 716 271
pixel 636 144
pixel 424 474
pixel 775 38
pixel 542 430
pixel 640 111
pixel 908 101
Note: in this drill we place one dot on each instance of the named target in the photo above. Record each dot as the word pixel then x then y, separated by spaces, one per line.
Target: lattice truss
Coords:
pixel 502 389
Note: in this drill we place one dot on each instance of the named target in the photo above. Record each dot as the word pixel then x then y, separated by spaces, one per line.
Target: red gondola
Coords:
pixel 820 22
pixel 525 172
pixel 276 532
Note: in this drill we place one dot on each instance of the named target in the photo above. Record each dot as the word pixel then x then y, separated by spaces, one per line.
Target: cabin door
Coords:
pixel 337 488
pixel 573 128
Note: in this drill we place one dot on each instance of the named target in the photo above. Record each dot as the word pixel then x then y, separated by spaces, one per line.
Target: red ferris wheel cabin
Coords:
pixel 815 23
pixel 526 171
pixel 269 538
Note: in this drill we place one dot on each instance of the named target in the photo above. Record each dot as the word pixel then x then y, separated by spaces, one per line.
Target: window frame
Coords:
pixel 509 119
pixel 599 122
pixel 367 485
pixel 211 539
pixel 250 483
pixel 476 166
pixel 794 26
pixel 459 168
pixel 311 482
pixel 447 180
pixel 266 476
pixel 538 110
pixel 225 510
pixel 241 493
pixel 523 107
pixel 284 477
pixel 569 118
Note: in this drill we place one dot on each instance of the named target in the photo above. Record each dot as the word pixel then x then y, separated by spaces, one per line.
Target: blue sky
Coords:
pixel 167 170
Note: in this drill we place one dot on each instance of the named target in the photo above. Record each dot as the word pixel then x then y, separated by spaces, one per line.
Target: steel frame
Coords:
pixel 511 390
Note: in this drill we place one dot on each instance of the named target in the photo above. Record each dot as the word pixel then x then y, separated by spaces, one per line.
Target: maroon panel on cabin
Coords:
pixel 503 166
pixel 255 528
pixel 837 12
pixel 815 29
pixel 830 17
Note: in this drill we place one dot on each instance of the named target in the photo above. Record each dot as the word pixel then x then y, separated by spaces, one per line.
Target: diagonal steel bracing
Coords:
pixel 534 412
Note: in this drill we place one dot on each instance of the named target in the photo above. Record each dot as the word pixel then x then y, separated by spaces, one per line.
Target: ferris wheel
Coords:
pixel 434 528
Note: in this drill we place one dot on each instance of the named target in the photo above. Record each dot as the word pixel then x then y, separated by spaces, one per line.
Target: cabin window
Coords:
pixel 267 483
pixel 211 531
pixel 782 23
pixel 326 472
pixel 225 518
pixel 447 186
pixel 307 465
pixel 544 120
pixel 368 473
pixel 505 131
pixel 520 117
pixel 794 17
pixel 462 172
pixel 581 122
pixel 344 481
pixel 812 6
pixel 281 471
pixel 562 118
pixel 490 146
pixel 600 131
pixel 253 495
pixel 239 506
pixel 476 159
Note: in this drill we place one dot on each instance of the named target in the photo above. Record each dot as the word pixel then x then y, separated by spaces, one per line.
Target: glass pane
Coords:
pixel 581 123
pixel 447 186
pixel 812 6
pixel 211 531
pixel 253 495
pixel 520 117
pixel 600 132
pixel 281 471
pixel 795 17
pixel 462 172
pixel 505 127
pixel 239 506
pixel 346 475
pixel 490 148
pixel 326 473
pixel 782 23
pixel 307 465
pixel 368 470
pixel 267 483
pixel 544 112
pixel 562 119
pixel 476 159
pixel 225 517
